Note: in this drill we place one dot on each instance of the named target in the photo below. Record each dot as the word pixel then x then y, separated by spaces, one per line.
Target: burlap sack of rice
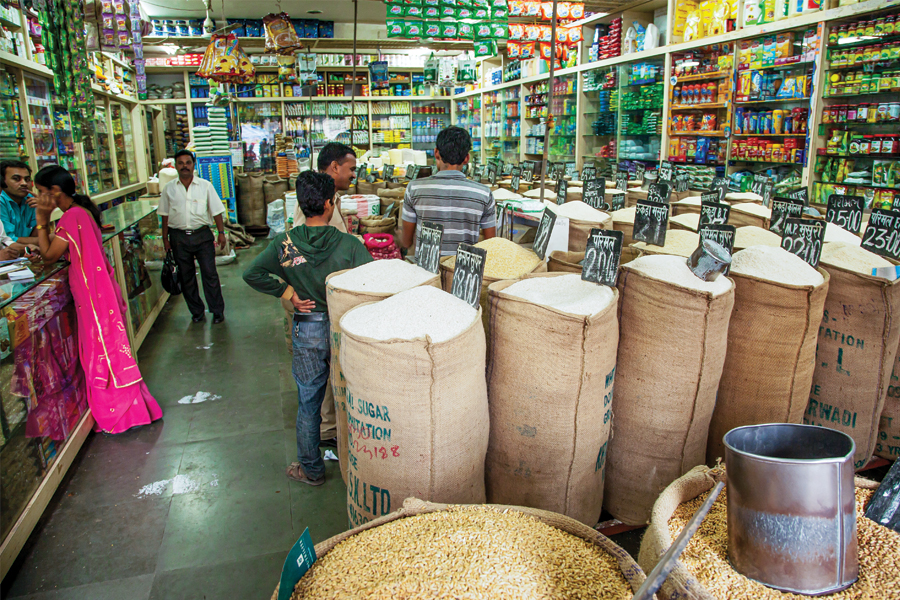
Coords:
pixel 339 302
pixel 855 355
pixel 690 205
pixel 366 188
pixel 421 431
pixel 570 262
pixel 548 434
pixel 888 444
pixel 510 552
pixel 274 188
pixel 685 222
pixel 395 185
pixel 395 193
pixel 623 220
pixel 770 358
pixel 582 218
pixel 678 243
pixel 635 194
pixel 704 573
pixel 749 213
pixel 251 202
pixel 671 352
pixel 377 224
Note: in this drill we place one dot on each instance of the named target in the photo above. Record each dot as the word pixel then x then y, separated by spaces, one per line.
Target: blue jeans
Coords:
pixel 311 369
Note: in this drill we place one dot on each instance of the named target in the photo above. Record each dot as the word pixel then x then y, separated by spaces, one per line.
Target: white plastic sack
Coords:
pixel 275 218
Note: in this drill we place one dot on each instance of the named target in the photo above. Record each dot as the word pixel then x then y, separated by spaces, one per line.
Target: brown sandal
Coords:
pixel 295 472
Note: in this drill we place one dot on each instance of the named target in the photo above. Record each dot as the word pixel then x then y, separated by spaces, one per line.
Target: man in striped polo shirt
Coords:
pixel 465 208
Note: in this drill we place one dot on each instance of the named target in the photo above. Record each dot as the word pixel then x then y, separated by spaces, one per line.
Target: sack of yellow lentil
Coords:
pixel 703 571
pixel 508 552
pixel 369 283
pixel 673 331
pixel 570 262
pixel 888 445
pixel 857 347
pixel 547 446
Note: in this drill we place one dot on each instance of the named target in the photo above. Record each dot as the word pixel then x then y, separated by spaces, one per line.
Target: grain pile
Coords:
pixel 505 259
pixel 674 270
pixel 753 209
pixel 382 277
pixel 568 293
pixel 751 235
pixel 410 315
pixel 504 194
pixel 689 221
pixel 465 552
pixel 836 233
pixel 580 211
pixel 852 258
pixel 706 556
pixel 678 242
pixel 743 197
pixel 776 265
pixel 623 215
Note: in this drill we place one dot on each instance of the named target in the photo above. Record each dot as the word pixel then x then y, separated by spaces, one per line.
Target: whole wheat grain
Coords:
pixel 568 293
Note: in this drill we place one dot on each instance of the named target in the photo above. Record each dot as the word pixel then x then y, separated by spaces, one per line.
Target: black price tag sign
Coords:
pixel 542 236
pixel 465 169
pixel 846 211
pixel 562 187
pixel 492 174
pixel 481 172
pixel 658 192
pixel 882 235
pixel 516 176
pixel 428 246
pixel 622 181
pixel 361 173
pixel 507 169
pixel 468 274
pixel 682 182
pixel 412 172
pixel 804 237
pixel 595 194
pixel 588 172
pixel 571 169
pixel 759 181
pixel 666 171
pixel 720 234
pixel 528 173
pixel 782 210
pixel 601 256
pixel 651 220
pixel 802 194
pixel 388 172
pixel 713 212
pixel 768 192
pixel 554 172
pixel 618 200
pixel 639 170
pixel 718 183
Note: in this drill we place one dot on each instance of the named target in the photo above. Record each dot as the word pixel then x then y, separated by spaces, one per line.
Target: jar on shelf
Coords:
pixel 865 144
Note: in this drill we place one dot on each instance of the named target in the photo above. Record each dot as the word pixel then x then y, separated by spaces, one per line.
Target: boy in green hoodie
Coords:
pixel 302 258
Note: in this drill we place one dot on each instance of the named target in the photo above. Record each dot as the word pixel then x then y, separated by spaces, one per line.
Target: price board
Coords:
pixel 361 172
pixel 542 236
pixel 588 172
pixel 412 172
pixel 571 170
pixel 492 174
pixel 554 172
pixel 846 212
pixel 507 169
pixel 601 256
pixel 666 171
pixel 759 181
pixel 882 234
pixel 782 210
pixel 804 237
pixel 528 172
pixel 618 200
pixel 516 174
pixel 639 170
pixel 622 181
pixel 562 188
pixel 802 194
pixel 388 172
pixel 713 212
pixel 768 192
pixel 595 194
pixel 658 192
pixel 468 274
pixel 682 182
pixel 650 222
pixel 428 246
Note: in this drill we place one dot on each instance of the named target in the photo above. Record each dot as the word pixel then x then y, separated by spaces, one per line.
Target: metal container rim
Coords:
pixel 795 461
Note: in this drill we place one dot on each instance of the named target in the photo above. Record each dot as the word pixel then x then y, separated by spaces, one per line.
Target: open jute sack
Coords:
pixel 429 402
pixel 857 347
pixel 672 343
pixel 251 202
pixel 548 434
pixel 570 262
pixel 413 507
pixel 888 445
pixel 580 231
pixel 339 302
pixel 681 583
pixel 770 358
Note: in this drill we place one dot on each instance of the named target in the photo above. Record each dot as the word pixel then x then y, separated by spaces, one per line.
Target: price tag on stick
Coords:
pixel 665 172
pixel 588 172
pixel 804 237
pixel 412 171
pixel 782 210
pixel 802 194
pixel 618 199
pixel 562 187
pixel 639 170
pixel 767 192
pixel 468 274
pixel 595 194
pixel 492 174
pixel 507 169
pixel 658 192
pixel 713 212
pixel 361 173
pixel 542 236
pixel 882 235
pixel 571 169
pixel 428 246
pixel 622 181
pixel 388 172
pixel 298 562
pixel 721 234
pixel 650 222
pixel 516 176
pixel 528 172
pixel 846 212
pixel 601 256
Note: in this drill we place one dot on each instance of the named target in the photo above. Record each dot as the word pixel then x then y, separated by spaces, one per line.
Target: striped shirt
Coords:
pixel 448 198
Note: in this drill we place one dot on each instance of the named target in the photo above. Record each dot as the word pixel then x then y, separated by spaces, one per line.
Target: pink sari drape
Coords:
pixel 118 397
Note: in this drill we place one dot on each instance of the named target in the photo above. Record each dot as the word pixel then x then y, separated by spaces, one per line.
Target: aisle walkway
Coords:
pixel 196 505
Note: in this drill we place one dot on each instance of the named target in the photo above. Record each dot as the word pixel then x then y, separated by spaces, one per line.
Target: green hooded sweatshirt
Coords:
pixel 302 258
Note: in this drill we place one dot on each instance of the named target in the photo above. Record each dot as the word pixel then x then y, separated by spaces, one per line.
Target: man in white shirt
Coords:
pixel 189 206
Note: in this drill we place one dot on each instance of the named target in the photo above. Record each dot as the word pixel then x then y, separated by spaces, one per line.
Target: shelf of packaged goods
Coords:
pixel 873 64
pixel 765 162
pixel 688 134
pixel 853 125
pixel 675 159
pixel 839 96
pixel 702 76
pixel 561 155
pixel 770 101
pixel 859 185
pixel 9 24
pixel 705 106
pixel 867 40
pixel 859 156
pixel 783 67
pixel 742 135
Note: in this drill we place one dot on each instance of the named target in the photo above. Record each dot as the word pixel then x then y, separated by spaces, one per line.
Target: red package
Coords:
pixel 574 35
pixel 513 49
pixel 546 33
pixel 562 35
pixel 562 10
pixel 532 9
pixel 546 10
pixel 516 32
pixel 532 32
pixel 526 50
pixel 546 50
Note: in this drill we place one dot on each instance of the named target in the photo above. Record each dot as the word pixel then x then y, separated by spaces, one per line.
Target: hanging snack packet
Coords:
pixel 413 29
pixel 431 12
pixel 280 34
pixel 482 12
pixel 546 33
pixel 562 10
pixel 286 71
pixel 532 32
pixel 485 49
pixel 465 71
pixel 532 9
pixel 482 31
pixel 395 28
pixel 575 35
pixel 465 3
pixel 225 62
pixel 427 3
pixel 562 35
pixel 394 10
pixel 526 50
pixel 576 10
pixel 448 12
pixel 432 29
pixel 516 31
pixel 516 8
pixel 466 31
pixel 512 50
pixel 378 74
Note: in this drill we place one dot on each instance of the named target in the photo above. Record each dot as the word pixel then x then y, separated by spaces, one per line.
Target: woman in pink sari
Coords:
pixel 118 397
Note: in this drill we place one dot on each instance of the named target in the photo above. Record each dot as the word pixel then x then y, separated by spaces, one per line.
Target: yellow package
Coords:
pixel 732 9
pixel 692 27
pixel 719 19
pixel 682 10
pixel 756 54
pixel 744 55
pixel 784 45
pixel 706 16
pixel 744 84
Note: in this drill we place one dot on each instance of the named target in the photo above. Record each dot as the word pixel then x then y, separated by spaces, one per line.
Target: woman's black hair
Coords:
pixel 55 175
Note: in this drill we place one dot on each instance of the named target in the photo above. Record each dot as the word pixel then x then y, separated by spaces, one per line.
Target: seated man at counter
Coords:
pixel 17 203
pixel 464 207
